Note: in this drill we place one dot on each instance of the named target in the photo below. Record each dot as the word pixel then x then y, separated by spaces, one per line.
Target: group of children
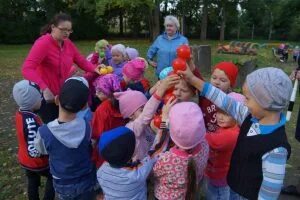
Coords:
pixel 235 145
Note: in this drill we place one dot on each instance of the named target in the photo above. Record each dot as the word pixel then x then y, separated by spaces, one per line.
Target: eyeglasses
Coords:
pixel 65 30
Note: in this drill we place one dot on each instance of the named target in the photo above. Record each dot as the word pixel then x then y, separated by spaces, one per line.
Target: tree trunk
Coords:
pixel 204 21
pixel 121 23
pixel 183 25
pixel 271 26
pixel 223 24
pixel 252 32
pixel 154 21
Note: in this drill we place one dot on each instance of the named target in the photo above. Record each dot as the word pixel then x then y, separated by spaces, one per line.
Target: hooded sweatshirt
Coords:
pixel 69 148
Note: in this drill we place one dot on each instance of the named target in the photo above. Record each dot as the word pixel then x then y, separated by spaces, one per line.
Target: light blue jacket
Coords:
pixel 165 50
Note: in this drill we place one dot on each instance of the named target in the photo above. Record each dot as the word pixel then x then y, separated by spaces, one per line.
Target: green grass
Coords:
pixel 12 179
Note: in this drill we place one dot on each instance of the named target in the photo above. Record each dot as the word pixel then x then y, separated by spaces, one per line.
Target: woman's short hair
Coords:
pixel 172 19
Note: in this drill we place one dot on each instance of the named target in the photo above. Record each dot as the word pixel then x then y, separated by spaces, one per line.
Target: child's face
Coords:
pixel 183 92
pixel 101 95
pixel 117 57
pixel 37 106
pixel 220 80
pixel 254 108
pixel 224 120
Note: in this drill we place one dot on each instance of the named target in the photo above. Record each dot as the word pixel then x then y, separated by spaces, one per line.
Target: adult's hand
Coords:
pixel 153 64
pixel 48 95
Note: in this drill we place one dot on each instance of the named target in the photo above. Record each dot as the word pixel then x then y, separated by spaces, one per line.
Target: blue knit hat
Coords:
pixel 117 146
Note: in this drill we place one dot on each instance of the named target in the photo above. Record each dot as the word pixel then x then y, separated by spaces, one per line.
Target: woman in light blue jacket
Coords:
pixel 164 47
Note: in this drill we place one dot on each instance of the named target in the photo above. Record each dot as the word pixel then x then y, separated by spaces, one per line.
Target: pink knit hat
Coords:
pixel 108 84
pixel 236 96
pixel 187 127
pixel 130 101
pixel 134 69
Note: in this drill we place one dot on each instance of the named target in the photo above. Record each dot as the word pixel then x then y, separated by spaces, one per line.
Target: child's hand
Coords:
pixel 166 109
pixel 168 82
pixel 154 88
pixel 153 64
pixel 187 74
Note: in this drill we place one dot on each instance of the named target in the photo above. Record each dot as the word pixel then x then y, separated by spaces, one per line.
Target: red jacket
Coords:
pixel 106 117
pixel 27 124
pixel 209 114
pixel 221 145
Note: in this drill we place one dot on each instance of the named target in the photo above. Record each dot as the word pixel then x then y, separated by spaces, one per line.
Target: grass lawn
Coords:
pixel 12 179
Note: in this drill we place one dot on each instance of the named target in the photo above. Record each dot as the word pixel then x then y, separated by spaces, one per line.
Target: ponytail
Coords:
pixel 191 180
pixel 60 17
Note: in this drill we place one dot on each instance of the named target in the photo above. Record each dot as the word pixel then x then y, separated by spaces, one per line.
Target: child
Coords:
pixel 223 77
pixel 221 144
pixel 282 51
pixel 28 97
pixel 86 112
pixel 184 91
pixel 67 141
pixel 134 106
pixel 107 116
pixel 118 59
pixel 119 177
pixel 131 53
pixel 296 53
pixel 257 166
pixel 133 76
pixel 179 170
pixel 102 54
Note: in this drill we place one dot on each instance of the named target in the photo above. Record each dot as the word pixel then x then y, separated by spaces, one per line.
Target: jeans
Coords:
pixel 34 181
pixel 236 196
pixel 83 189
pixel 217 192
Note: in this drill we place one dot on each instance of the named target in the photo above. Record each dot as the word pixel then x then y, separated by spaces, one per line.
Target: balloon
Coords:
pixel 170 90
pixel 164 73
pixel 179 65
pixel 103 71
pixel 101 54
pixel 184 52
pixel 157 121
pixel 110 69
pixel 168 96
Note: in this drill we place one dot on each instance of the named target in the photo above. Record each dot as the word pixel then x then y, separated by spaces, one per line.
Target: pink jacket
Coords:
pixel 171 171
pixel 141 127
pixel 49 65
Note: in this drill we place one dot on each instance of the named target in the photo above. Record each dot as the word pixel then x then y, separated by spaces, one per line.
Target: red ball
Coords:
pixel 179 65
pixel 170 90
pixel 168 96
pixel 184 52
pixel 157 121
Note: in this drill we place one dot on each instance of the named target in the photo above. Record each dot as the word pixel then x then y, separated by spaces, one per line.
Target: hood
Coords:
pixel 70 133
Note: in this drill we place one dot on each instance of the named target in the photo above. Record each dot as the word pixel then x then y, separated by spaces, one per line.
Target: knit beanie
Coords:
pixel 187 127
pixel 270 87
pixel 132 53
pixel 134 69
pixel 119 48
pixel 108 84
pixel 26 94
pixel 74 94
pixel 165 72
pixel 117 146
pixel 130 101
pixel 230 69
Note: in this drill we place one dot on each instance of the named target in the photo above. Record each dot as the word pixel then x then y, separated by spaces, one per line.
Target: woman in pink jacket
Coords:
pixel 50 60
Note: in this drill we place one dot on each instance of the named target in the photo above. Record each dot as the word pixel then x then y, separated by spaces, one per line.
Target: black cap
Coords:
pixel 74 95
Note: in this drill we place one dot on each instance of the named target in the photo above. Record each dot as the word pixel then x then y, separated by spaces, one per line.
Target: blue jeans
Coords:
pixel 81 190
pixel 217 192
pixel 236 196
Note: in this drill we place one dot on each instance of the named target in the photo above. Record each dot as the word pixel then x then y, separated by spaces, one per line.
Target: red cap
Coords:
pixel 230 69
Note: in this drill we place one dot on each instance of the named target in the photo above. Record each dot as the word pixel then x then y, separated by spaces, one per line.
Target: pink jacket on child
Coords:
pixel 171 170
pixel 49 65
pixel 141 128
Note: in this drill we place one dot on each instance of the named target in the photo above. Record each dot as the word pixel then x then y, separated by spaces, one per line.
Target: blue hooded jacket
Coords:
pixel 165 50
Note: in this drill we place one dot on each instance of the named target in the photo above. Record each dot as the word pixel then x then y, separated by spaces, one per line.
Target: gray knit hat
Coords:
pixel 26 94
pixel 271 88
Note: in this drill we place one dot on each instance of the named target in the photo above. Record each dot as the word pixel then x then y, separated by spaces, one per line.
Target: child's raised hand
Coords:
pixel 166 108
pixel 170 81
pixel 187 74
